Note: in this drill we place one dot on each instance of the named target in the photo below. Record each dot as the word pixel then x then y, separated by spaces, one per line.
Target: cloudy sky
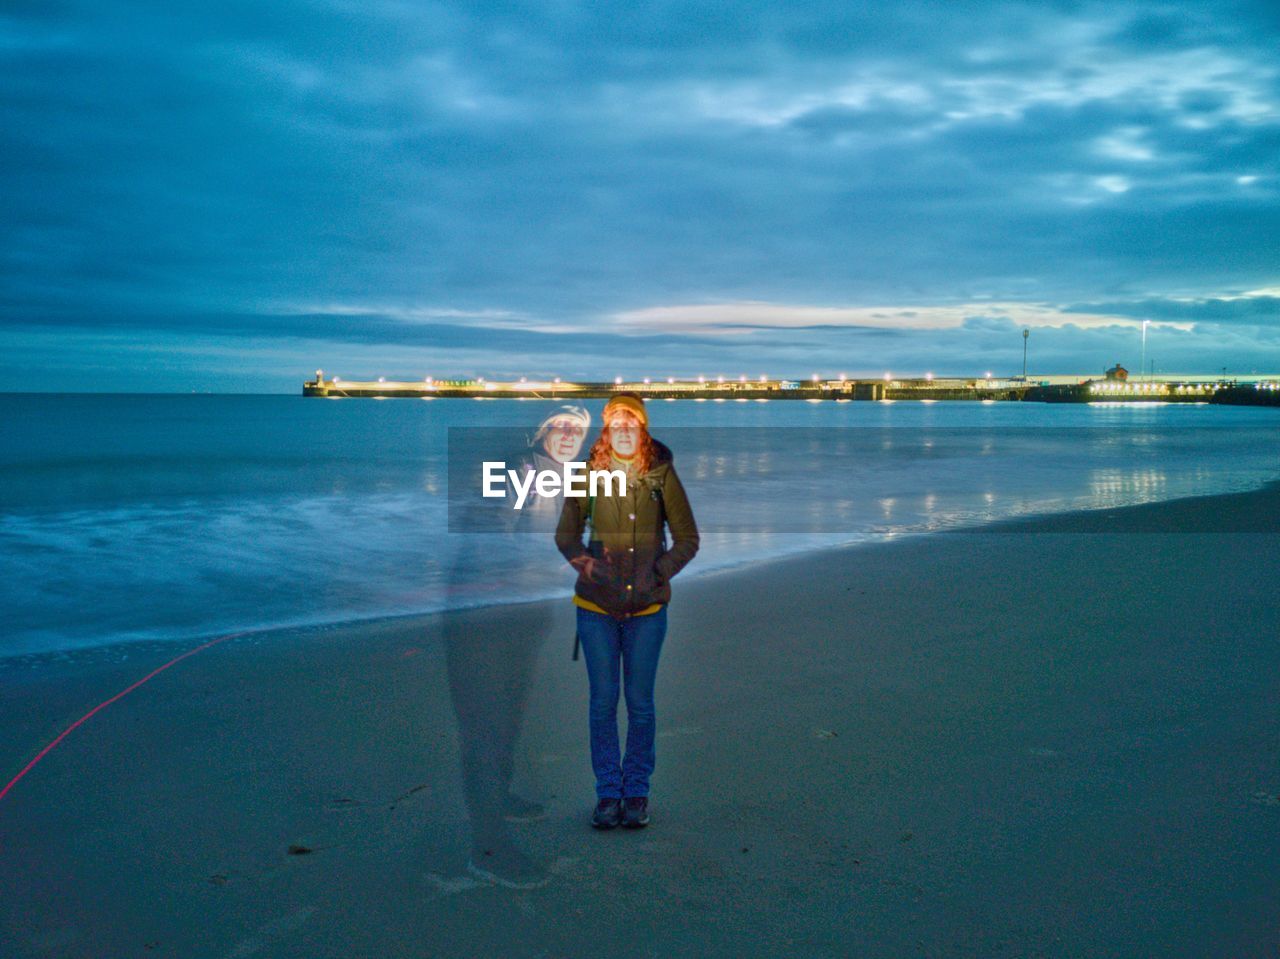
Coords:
pixel 227 198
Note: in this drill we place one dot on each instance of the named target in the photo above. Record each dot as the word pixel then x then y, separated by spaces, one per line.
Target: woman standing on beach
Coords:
pixel 622 594
pixel 491 672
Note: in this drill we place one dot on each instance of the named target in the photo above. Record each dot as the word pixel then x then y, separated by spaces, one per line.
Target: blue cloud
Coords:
pixel 1259 310
pixel 223 170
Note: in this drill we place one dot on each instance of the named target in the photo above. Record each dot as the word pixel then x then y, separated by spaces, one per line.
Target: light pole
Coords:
pixel 1142 366
pixel 1025 333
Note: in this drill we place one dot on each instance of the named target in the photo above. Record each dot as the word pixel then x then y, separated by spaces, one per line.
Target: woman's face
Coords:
pixel 564 439
pixel 624 432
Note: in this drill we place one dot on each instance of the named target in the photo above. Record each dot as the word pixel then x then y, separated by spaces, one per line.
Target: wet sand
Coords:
pixel 1022 741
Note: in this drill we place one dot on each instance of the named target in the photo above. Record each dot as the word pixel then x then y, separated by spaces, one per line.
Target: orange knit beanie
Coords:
pixel 632 402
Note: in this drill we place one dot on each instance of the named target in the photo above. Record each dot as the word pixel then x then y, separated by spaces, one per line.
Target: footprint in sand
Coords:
pixel 562 865
pixel 342 803
pixel 453 885
pixel 1040 752
pixel 680 731
pixel 271 932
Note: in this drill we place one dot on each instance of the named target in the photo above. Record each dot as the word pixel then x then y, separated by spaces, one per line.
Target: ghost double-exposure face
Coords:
pixel 563 439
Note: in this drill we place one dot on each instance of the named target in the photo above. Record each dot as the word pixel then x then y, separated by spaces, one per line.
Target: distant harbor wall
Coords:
pixel 1059 389
pixel 1229 393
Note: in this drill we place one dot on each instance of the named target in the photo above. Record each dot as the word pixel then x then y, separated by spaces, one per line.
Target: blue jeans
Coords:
pixel 634 642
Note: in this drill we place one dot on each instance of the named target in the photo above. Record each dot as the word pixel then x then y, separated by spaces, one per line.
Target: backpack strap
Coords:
pixel 662 508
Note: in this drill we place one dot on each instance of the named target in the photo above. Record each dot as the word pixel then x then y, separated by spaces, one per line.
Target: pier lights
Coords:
pixel 382 379
pixel 742 378
pixel 702 379
pixel 888 376
pixel 719 379
pixel 988 374
pixel 763 378
pixel 556 381
pixel 815 377
pixel 842 377
pixel 670 380
pixel 929 377
pixel 617 381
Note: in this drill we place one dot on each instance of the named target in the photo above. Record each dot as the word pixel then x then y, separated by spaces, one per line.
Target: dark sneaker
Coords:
pixel 518 809
pixel 608 814
pixel 635 812
pixel 507 866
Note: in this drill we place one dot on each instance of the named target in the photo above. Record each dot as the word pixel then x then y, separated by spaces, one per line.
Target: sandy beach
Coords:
pixel 1017 741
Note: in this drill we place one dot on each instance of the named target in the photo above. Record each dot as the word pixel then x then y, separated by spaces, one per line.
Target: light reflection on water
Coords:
pixel 1114 487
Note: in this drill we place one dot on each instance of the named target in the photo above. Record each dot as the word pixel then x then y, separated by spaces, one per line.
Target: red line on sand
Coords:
pixel 103 705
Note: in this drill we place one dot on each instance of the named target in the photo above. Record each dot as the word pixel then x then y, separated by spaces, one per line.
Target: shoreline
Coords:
pixel 1231 512
pixel 1208 512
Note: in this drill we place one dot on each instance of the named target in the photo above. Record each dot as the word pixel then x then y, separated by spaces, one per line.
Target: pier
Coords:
pixel 1251 391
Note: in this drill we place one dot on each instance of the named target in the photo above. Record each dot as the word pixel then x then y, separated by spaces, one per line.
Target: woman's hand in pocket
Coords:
pixel 589 567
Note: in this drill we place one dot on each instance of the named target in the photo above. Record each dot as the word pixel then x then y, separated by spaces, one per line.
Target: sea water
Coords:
pixel 172 517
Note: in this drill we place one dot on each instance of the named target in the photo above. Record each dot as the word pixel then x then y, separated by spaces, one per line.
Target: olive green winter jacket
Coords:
pixel 628 538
